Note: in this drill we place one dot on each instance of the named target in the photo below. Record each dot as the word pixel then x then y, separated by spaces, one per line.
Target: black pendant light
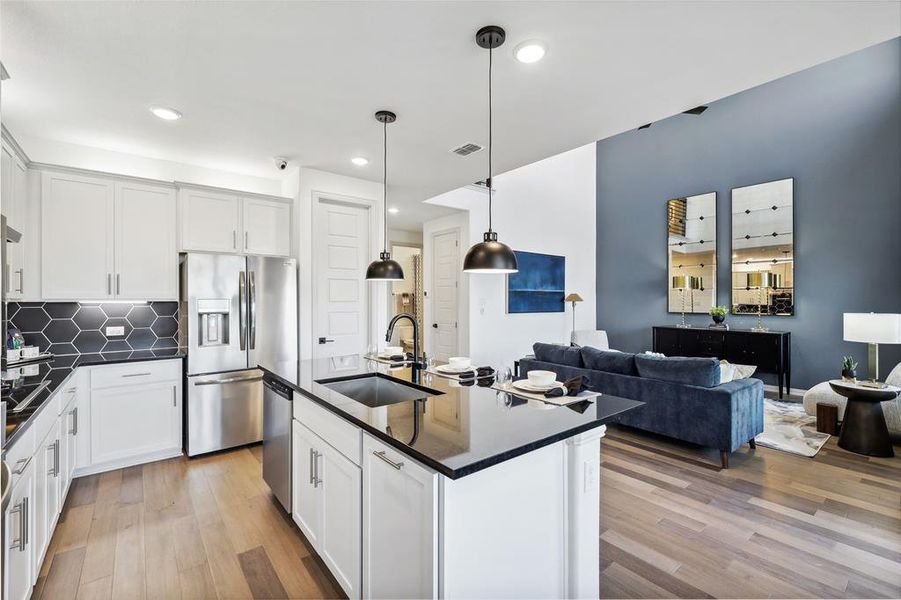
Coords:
pixel 490 255
pixel 385 269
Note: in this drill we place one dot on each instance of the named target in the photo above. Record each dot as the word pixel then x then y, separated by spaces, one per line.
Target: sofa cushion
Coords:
pixel 702 372
pixel 610 361
pixel 557 354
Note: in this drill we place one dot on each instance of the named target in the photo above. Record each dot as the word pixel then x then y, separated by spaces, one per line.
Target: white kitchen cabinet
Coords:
pixel 46 491
pixel 18 559
pixel 267 227
pixel 220 221
pixel 326 498
pixel 13 198
pixel 134 420
pixel 104 238
pixel 210 220
pixel 68 439
pixel 146 256
pixel 400 525
pixel 77 230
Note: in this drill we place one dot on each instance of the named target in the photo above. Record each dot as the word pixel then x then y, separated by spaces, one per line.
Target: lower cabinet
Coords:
pixel 326 505
pixel 47 490
pixel 18 555
pixel 400 525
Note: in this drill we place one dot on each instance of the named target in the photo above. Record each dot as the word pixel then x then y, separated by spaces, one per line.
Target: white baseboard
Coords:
pixel 775 389
pixel 128 462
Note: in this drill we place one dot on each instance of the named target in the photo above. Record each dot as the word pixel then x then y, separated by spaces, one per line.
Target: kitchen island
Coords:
pixel 412 485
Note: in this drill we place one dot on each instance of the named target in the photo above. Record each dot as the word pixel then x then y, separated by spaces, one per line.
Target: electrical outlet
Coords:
pixel 115 331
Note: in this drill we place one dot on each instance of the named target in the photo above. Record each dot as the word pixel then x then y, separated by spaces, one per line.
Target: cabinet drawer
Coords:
pixel 47 418
pixel 19 456
pixel 135 373
pixel 338 433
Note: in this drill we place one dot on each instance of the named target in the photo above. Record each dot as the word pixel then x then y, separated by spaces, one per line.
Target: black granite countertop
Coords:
pixel 456 430
pixel 19 381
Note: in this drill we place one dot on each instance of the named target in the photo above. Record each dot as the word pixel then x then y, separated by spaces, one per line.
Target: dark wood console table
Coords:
pixel 770 351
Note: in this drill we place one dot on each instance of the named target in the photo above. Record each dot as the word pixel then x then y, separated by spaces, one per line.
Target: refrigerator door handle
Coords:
pixel 242 310
pixel 252 309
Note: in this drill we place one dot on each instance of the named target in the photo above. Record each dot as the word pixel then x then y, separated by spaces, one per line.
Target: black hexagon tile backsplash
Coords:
pixel 70 328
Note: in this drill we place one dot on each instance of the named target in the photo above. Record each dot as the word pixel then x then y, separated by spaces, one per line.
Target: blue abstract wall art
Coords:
pixel 539 285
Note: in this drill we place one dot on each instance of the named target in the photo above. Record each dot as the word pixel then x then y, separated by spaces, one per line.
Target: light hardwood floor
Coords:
pixel 773 525
pixel 673 524
pixel 200 528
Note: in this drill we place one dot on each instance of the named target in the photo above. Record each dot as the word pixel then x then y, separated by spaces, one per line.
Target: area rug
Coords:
pixel 788 428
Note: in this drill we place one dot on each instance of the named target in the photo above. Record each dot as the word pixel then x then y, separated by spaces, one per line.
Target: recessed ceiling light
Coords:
pixel 530 51
pixel 393 210
pixel 167 114
pixel 360 161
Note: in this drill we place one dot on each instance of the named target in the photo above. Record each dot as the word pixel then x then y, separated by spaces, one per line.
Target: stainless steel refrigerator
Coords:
pixel 241 312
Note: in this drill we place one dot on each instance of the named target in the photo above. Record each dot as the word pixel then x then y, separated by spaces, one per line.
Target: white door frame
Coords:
pixel 374 217
pixel 429 315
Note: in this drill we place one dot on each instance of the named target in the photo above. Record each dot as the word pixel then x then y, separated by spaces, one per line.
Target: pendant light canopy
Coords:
pixel 490 255
pixel 385 269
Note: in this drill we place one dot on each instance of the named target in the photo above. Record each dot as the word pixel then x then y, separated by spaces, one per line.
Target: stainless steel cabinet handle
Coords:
pixel 74 414
pixel 109 284
pixel 242 310
pixel 19 509
pixel 234 239
pixel 316 479
pixel 137 374
pixel 312 476
pixel 26 521
pixel 252 317
pixel 381 454
pixel 118 281
pixel 21 273
pixel 54 447
pixel 17 470
pixel 230 380
pixel 245 240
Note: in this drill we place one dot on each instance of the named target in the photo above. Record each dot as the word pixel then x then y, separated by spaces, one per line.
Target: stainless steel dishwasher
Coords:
pixel 277 415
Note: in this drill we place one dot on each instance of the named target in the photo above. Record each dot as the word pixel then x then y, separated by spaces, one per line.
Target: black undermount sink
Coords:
pixel 376 390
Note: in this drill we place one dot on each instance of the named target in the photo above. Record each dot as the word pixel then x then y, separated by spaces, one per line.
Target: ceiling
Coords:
pixel 302 80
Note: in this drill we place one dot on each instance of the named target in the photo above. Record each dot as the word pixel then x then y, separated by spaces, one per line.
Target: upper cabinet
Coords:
pixel 13 198
pixel 217 221
pixel 103 238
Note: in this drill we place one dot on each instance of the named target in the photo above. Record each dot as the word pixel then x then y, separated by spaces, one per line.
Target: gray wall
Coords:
pixel 834 128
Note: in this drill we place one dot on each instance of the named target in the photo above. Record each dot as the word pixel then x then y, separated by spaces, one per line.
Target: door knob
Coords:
pixel 323 340
pixel 435 325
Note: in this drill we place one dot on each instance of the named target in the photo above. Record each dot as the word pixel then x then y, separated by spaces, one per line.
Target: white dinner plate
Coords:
pixel 524 385
pixel 452 370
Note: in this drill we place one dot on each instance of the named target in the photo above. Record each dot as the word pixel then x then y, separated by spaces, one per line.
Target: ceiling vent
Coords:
pixel 466 149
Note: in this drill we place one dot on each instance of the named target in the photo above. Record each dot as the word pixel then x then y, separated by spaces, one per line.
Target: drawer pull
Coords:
pixel 137 374
pixel 381 454
pixel 229 380
pixel 24 462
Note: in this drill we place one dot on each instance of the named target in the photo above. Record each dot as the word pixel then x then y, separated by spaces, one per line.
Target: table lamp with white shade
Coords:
pixel 872 329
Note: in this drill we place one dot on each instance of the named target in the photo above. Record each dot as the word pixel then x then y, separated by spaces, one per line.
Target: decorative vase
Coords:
pixel 849 374
pixel 718 319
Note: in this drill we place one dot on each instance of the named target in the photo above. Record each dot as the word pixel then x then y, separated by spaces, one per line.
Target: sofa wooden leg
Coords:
pixel 753 443
pixel 724 458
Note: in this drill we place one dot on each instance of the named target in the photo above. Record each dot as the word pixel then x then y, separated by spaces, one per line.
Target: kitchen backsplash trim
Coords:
pixel 75 328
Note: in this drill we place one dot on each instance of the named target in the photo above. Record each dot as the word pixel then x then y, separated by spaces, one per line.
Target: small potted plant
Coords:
pixel 718 313
pixel 849 368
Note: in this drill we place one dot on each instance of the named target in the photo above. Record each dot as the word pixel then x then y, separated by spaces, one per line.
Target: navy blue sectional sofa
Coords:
pixel 683 396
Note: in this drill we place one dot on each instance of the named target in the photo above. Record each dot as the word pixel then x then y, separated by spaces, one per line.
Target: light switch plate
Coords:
pixel 115 331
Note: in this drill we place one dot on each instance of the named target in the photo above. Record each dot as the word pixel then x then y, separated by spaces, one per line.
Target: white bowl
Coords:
pixel 392 350
pixel 459 362
pixel 541 378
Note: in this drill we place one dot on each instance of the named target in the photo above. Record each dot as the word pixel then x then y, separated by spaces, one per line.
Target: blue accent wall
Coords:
pixel 836 129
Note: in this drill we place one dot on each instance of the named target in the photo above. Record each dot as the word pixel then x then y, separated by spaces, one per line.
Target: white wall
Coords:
pixel 84 157
pixel 311 183
pixel 404 237
pixel 547 207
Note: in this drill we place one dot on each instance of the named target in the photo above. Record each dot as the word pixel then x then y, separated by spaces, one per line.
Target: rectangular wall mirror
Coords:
pixel 691 246
pixel 763 256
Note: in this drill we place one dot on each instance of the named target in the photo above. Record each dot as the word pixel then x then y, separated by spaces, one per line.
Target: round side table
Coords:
pixel 864 430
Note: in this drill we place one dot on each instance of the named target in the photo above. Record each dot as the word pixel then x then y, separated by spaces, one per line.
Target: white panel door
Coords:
pixel 341 538
pixel 76 237
pixel 400 525
pixel 210 221
pixel 134 420
pixel 267 227
pixel 18 558
pixel 146 255
pixel 445 283
pixel 306 497
pixel 340 258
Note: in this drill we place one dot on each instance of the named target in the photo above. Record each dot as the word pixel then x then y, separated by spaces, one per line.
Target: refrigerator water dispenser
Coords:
pixel 213 320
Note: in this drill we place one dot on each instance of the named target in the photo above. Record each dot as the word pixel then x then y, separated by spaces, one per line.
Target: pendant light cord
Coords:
pixel 490 132
pixel 385 183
